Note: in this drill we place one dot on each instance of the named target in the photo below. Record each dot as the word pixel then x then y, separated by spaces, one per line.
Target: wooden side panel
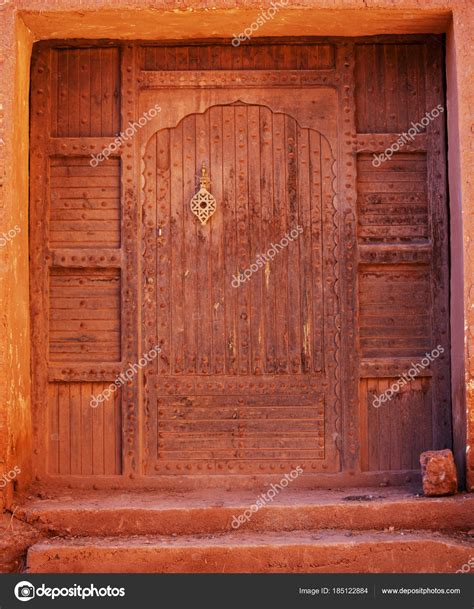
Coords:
pixel 393 199
pixel 393 76
pixel 85 92
pixel 83 440
pixel 84 315
pixel 399 429
pixel 403 271
pixel 394 311
pixel 85 203
pixel 76 226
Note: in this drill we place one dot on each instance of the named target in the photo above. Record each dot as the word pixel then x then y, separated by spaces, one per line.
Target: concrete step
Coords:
pixel 283 552
pixel 209 511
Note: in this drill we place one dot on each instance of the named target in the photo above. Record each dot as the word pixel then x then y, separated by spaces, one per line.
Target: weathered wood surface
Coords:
pixel 283 369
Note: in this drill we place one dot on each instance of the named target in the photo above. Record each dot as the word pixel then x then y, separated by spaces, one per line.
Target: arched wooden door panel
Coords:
pixel 245 380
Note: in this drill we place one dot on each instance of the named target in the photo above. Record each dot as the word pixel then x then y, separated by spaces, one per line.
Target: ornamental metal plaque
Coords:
pixel 203 204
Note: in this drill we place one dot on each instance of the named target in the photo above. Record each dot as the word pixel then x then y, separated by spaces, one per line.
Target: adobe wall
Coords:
pixel 24 21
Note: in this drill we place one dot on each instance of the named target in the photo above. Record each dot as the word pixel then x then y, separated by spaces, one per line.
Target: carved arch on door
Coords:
pixel 247 148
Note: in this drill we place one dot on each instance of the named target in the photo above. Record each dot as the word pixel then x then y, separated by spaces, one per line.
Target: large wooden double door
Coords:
pixel 317 281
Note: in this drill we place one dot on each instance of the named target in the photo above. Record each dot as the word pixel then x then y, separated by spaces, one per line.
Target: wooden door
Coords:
pixel 281 370
pixel 243 382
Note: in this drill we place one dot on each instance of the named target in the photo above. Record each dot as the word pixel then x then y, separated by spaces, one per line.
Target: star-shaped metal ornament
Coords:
pixel 203 204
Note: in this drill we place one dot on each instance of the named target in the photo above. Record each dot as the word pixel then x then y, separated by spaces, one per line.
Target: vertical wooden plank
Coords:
pixel 166 279
pixel 194 55
pixel 423 86
pixel 183 151
pixel 217 57
pixel 304 60
pixel 118 433
pixel 384 438
pixel 74 94
pixel 110 434
pixel 85 92
pixel 230 247
pixel 148 58
pixel 64 429
pixel 96 92
pixel 107 100
pixel 380 92
pixel 98 431
pixel 279 266
pixel 87 391
pixel 305 242
pixel 361 96
pixel 182 58
pixel 316 243
pixel 373 414
pixel 267 190
pixel 53 444
pixel 257 244
pixel 237 57
pixel 154 188
pixel 430 434
pixel 399 435
pixel 402 93
pixel 54 92
pixel 225 57
pixel 372 86
pixel 63 93
pixel 171 172
pixel 76 437
pixel 203 257
pixel 411 426
pixel 170 57
pixel 115 90
pixel 392 86
pixel 292 250
pixel 242 195
pixel 365 401
pixel 326 177
pixel 413 85
pixel 219 277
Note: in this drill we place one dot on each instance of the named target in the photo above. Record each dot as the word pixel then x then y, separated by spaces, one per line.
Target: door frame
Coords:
pixel 349 367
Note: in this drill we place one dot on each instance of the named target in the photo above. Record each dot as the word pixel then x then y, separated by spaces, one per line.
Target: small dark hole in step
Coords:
pixel 363 497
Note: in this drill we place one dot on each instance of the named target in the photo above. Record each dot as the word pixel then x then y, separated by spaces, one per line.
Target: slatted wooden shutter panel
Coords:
pixel 75 265
pixel 402 236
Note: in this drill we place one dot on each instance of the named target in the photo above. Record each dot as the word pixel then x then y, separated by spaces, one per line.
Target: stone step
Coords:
pixel 283 552
pixel 212 511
